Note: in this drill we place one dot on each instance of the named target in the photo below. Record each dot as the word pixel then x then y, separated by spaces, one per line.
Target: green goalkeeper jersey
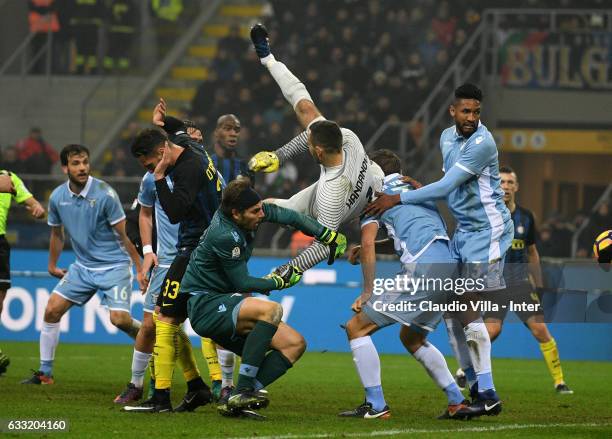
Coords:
pixel 21 194
pixel 219 263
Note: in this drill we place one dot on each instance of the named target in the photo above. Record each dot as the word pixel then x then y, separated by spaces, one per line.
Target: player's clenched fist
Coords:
pixel 336 242
pixel 264 161
pixel 285 276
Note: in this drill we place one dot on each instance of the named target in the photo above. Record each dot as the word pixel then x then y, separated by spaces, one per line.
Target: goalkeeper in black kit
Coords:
pixel 216 276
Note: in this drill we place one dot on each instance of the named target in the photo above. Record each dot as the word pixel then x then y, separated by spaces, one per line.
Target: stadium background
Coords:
pixel 385 69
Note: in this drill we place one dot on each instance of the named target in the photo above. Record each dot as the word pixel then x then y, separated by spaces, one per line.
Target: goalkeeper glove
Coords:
pixel 264 161
pixel 336 242
pixel 285 276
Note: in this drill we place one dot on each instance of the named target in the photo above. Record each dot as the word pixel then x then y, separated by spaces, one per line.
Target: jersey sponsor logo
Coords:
pixel 236 252
pixel 359 185
pixel 65 203
pixel 518 244
pixel 520 230
pixel 222 308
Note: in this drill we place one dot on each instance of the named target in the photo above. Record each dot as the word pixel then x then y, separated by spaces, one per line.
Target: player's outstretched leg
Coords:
pixel 434 363
pixel 292 88
pixel 367 363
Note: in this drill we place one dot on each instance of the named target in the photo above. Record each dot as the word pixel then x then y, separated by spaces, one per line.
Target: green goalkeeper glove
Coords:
pixel 285 276
pixel 264 161
pixel 336 242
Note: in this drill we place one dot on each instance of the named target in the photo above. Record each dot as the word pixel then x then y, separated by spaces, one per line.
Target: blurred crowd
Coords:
pixel 556 232
pixel 377 63
pixel 95 36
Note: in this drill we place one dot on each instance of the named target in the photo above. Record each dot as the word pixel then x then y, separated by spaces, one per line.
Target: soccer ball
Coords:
pixel 602 248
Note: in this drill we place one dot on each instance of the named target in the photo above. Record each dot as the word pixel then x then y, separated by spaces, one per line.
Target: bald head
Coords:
pixel 227 132
pixel 228 118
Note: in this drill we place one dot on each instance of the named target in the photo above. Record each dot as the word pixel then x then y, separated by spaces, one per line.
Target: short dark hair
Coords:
pixel 146 141
pixel 506 170
pixel 388 161
pixel 326 134
pixel 468 91
pixel 231 196
pixel 72 149
pixel 191 124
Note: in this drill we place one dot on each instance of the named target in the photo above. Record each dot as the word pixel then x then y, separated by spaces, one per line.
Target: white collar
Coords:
pixel 85 190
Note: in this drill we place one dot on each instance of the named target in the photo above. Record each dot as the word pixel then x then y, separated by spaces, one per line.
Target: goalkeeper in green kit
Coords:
pixel 217 276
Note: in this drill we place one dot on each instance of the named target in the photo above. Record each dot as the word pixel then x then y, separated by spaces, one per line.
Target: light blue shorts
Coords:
pixel 481 254
pixel 158 274
pixel 79 285
pixel 416 309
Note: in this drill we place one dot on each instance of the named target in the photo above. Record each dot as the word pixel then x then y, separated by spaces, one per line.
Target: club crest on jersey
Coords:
pixel 236 253
pixel 92 202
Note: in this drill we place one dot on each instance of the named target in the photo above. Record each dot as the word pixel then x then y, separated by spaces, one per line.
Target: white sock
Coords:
pixel 434 363
pixel 49 338
pixel 267 60
pixel 140 361
pixel 226 361
pixel 292 88
pixel 479 346
pixel 366 361
pixel 457 340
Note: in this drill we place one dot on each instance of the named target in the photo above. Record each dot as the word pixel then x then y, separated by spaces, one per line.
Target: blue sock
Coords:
pixel 374 395
pixel 46 367
pixel 470 375
pixel 488 394
pixel 453 394
pixel 485 382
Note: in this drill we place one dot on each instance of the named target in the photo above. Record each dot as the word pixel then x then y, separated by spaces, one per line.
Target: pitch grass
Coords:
pixel 305 402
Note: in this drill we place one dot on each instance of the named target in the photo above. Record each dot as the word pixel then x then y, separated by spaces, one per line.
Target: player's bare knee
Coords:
pixel 295 348
pixel 272 312
pixel 121 320
pixel 540 332
pixel 411 340
pixel 52 314
pixel 494 329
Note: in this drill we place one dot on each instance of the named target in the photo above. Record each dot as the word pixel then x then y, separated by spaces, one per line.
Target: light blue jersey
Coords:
pixel 413 227
pixel 167 233
pixel 478 203
pixel 89 218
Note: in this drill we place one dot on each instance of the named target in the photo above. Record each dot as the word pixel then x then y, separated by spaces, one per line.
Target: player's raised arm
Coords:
pixel 440 189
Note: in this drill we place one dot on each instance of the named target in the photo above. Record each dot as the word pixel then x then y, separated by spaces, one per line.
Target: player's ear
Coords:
pixel 451 110
pixel 65 169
